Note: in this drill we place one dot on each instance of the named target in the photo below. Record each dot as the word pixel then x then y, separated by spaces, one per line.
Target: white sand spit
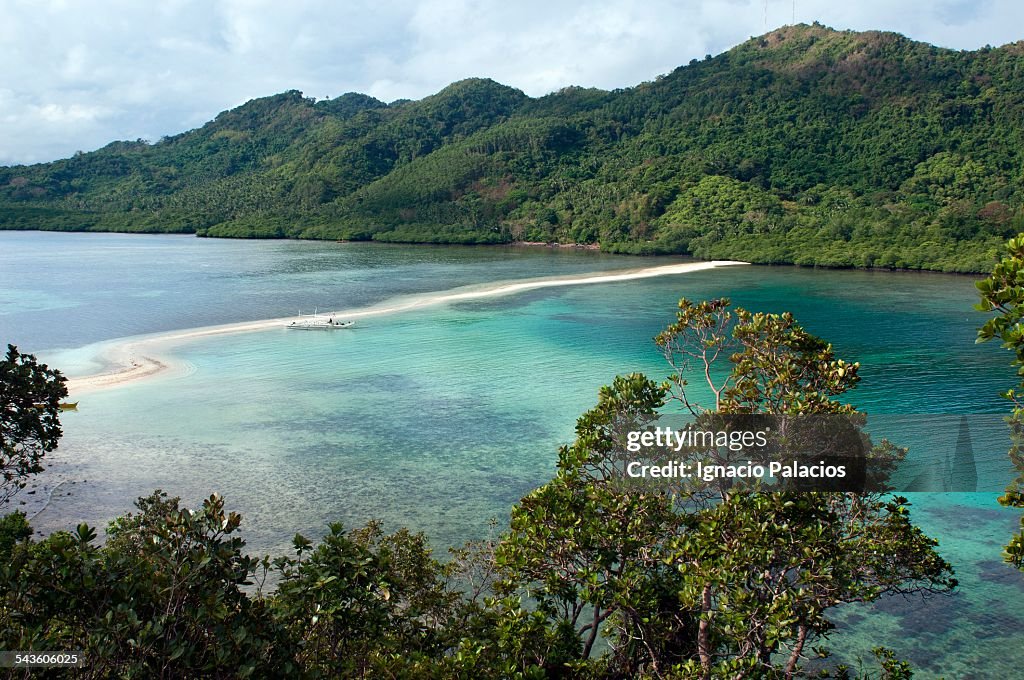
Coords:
pixel 136 358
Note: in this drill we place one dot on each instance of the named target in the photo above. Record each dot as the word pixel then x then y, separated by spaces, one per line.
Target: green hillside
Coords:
pixel 806 146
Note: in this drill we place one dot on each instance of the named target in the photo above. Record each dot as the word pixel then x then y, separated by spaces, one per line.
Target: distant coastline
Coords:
pixel 555 244
pixel 551 245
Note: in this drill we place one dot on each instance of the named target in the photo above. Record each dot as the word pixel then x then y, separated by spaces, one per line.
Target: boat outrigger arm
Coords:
pixel 316 322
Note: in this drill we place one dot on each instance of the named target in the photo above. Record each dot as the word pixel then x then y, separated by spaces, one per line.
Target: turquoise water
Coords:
pixel 441 419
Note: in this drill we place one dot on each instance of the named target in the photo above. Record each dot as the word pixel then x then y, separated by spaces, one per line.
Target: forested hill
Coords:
pixel 806 145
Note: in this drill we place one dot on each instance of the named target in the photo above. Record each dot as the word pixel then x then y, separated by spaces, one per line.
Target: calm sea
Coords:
pixel 441 419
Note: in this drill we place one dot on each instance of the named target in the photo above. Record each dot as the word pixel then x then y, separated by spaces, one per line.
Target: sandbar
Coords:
pixel 137 358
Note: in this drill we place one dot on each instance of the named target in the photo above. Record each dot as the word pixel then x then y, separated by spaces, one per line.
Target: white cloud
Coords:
pixel 81 74
pixel 71 114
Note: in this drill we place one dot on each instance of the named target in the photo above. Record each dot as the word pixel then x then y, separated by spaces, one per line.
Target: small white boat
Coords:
pixel 319 322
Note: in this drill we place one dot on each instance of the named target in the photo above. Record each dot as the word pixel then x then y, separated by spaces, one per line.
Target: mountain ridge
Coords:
pixel 805 145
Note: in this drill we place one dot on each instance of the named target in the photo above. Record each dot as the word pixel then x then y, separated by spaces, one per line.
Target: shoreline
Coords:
pixel 588 247
pixel 146 356
pixel 556 244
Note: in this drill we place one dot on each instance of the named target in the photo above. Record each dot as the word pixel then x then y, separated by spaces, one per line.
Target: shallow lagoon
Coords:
pixel 441 419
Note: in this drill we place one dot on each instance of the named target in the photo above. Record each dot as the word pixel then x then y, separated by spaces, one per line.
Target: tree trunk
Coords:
pixel 794 657
pixel 704 632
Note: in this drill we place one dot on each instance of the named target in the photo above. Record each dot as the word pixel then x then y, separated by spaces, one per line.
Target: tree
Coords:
pixel 779 371
pixel 14 529
pixel 588 551
pixel 1003 293
pixel 762 568
pixel 30 395
pixel 692 580
pixel 366 604
pixel 760 572
pixel 172 593
pixel 164 597
pixel 777 366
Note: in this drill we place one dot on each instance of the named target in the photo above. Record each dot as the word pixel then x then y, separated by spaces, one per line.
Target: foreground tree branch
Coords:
pixel 30 395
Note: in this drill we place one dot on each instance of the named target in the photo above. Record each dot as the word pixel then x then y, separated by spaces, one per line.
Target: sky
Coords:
pixel 78 74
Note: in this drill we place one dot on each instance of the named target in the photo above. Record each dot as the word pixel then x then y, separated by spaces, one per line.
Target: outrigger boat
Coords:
pixel 63 406
pixel 319 322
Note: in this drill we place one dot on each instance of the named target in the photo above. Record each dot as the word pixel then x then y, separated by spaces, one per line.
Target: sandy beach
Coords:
pixel 146 356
